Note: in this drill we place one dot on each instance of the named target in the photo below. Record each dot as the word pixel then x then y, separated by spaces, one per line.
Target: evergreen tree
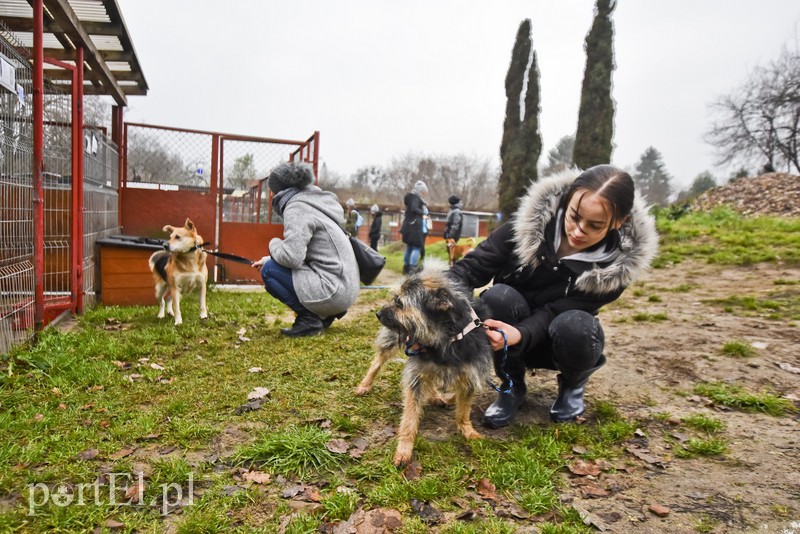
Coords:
pixel 560 156
pixel 593 140
pixel 522 143
pixel 651 178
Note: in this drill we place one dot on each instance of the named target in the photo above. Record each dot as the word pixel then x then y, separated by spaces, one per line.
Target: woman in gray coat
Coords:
pixel 312 269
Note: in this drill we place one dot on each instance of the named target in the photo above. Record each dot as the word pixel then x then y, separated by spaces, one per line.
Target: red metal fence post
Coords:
pixel 38 164
pixel 77 182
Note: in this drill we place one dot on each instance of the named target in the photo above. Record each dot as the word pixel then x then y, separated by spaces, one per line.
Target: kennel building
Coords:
pixel 66 184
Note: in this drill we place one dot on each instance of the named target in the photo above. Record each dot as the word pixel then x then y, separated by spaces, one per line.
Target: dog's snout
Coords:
pixel 378 314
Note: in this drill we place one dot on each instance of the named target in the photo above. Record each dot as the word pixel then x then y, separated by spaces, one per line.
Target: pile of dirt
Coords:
pixel 775 193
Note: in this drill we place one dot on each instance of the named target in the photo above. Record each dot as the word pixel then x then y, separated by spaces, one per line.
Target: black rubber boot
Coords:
pixel 328 321
pixel 306 324
pixel 503 410
pixel 406 269
pixel 571 386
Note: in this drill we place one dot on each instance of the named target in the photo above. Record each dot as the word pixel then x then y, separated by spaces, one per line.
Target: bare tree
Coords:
pixel 761 118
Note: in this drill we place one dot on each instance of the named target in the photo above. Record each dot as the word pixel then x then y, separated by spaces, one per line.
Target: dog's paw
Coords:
pixel 160 315
pixel 178 322
pixel 204 315
pixel 471 433
pixel 362 390
pixel 402 456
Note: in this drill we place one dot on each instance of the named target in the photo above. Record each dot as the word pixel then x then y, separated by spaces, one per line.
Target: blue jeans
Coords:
pixel 278 282
pixel 411 257
pixel 575 339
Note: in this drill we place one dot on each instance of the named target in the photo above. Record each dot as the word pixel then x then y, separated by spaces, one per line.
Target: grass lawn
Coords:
pixel 127 423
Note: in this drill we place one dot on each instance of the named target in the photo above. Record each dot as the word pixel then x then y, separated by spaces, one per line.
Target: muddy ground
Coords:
pixel 651 372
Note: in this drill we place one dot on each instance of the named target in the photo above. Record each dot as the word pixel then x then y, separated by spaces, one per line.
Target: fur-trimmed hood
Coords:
pixel 639 239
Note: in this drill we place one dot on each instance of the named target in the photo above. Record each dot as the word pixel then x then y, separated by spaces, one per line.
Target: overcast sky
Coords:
pixel 380 79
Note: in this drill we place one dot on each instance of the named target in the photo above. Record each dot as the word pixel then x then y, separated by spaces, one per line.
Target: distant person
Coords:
pixel 453 225
pixel 427 225
pixel 353 219
pixel 312 269
pixel 411 230
pixel 376 226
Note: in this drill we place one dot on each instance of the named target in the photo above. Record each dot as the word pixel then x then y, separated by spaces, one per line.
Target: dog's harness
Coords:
pixel 474 323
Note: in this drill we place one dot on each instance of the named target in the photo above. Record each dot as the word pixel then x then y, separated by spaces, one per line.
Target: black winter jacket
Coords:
pixel 521 254
pixel 375 227
pixel 412 223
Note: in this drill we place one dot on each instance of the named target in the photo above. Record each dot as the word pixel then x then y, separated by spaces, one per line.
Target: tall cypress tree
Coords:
pixel 596 117
pixel 530 138
pixel 514 160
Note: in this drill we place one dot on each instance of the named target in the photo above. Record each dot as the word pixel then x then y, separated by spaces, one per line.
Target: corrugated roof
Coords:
pixel 97 25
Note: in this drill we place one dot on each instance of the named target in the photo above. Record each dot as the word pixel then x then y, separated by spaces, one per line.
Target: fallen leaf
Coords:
pixel 357 447
pixel 426 512
pixel 337 446
pixel 258 393
pixel 486 489
pixel 589 518
pixel 759 345
pixel 122 453
pixel 38 417
pixel 646 456
pixel 789 367
pixel 583 468
pixel 291 491
pixel 62 406
pixel 241 331
pixel 311 494
pixel 590 491
pixel 132 377
pixel 88 454
pixel 92 389
pixel 249 407
pixel 255 370
pixel 156 367
pixel 413 471
pixel 112 524
pixel 259 477
pixel 135 492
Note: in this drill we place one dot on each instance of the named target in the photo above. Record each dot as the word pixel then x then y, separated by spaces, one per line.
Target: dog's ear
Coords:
pixel 168 228
pixel 189 225
pixel 441 299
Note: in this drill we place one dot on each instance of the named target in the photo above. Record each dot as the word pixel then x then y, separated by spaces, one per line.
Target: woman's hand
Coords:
pixel 513 336
pixel 260 263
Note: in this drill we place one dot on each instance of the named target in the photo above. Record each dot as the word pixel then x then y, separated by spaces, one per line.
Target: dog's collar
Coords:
pixel 474 323
pixel 201 245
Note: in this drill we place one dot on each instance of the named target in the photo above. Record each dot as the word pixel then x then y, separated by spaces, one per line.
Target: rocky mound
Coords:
pixel 775 193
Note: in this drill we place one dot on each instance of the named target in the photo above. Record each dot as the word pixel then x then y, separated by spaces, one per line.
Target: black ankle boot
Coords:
pixel 571 386
pixel 503 410
pixel 306 324
pixel 328 321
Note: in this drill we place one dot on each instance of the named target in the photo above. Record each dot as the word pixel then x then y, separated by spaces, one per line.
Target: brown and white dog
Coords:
pixel 180 269
pixel 457 251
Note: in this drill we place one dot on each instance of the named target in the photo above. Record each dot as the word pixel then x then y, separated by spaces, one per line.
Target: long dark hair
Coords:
pixel 614 185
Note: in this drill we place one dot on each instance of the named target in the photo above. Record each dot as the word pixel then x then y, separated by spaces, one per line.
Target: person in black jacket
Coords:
pixel 412 231
pixel 453 224
pixel 375 227
pixel 575 243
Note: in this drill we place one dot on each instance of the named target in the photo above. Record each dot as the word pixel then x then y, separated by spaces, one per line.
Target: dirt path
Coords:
pixel 652 370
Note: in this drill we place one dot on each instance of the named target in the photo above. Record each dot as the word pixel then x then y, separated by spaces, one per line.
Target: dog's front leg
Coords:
pixel 203 309
pixel 387 343
pixel 464 398
pixel 176 306
pixel 409 426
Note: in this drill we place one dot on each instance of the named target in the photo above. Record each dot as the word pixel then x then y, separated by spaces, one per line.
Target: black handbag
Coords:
pixel 370 263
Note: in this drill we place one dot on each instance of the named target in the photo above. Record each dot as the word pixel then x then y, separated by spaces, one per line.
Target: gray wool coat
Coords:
pixel 314 246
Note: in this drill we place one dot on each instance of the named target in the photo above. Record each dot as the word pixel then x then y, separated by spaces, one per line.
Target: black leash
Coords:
pixel 231 257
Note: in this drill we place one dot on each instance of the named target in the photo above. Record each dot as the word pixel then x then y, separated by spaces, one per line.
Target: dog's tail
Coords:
pixel 158 263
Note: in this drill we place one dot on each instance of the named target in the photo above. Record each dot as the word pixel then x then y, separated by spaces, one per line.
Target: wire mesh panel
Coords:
pixel 245 163
pixel 157 155
pixel 16 196
pixel 100 200
pixel 57 180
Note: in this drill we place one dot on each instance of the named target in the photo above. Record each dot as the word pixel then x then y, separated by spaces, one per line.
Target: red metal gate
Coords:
pixel 215 179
